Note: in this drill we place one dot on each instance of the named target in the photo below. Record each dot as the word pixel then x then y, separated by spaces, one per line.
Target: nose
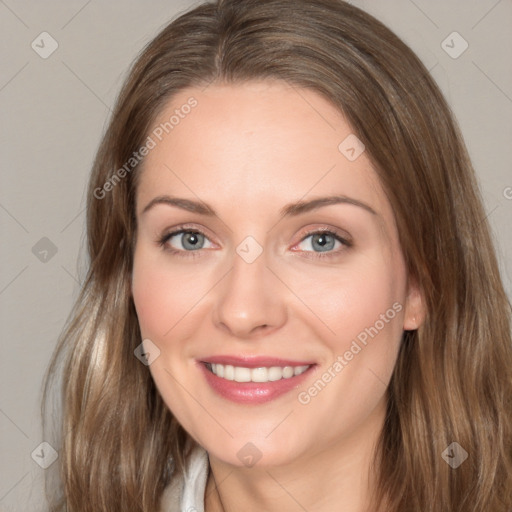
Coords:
pixel 251 301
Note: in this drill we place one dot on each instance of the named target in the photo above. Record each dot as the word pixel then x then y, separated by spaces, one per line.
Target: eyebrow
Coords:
pixel 289 210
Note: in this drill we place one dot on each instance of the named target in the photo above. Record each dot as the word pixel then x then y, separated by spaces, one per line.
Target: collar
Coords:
pixel 185 493
pixel 195 481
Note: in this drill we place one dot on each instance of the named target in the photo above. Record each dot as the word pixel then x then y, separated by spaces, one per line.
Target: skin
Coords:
pixel 247 151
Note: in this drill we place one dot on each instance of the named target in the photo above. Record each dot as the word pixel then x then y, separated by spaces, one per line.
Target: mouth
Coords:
pixel 253 380
pixel 261 374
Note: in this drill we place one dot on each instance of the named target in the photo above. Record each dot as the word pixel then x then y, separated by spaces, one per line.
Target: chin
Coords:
pixel 253 451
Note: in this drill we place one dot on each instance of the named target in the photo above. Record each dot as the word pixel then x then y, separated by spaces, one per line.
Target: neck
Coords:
pixel 320 481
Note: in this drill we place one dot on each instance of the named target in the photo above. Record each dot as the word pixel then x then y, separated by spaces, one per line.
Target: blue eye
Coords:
pixel 322 242
pixel 185 240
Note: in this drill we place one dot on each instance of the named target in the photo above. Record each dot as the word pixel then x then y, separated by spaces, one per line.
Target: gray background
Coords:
pixel 54 111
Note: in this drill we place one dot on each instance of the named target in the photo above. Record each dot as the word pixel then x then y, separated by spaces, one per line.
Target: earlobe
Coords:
pixel 415 313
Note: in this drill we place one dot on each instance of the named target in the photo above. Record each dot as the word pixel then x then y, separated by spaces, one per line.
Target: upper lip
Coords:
pixel 253 361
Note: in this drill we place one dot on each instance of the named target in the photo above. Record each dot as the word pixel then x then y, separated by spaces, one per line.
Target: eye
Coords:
pixel 324 242
pixel 185 240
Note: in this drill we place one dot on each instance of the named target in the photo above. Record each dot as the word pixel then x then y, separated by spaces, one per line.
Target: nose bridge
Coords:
pixel 249 297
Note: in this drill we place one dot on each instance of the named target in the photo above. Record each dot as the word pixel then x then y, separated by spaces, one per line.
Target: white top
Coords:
pixel 186 493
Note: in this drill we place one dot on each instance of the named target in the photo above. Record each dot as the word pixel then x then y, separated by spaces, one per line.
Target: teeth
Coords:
pixel 242 374
pixel 229 372
pixel 262 374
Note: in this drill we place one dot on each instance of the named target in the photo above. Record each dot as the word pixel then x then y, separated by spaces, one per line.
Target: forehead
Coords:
pixel 254 144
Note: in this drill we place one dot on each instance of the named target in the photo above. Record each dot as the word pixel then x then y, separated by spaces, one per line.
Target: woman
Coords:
pixel 293 302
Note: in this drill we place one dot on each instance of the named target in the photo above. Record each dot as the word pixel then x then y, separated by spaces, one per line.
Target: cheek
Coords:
pixel 352 300
pixel 150 299
pixel 162 295
pixel 371 306
pixel 162 301
pixel 363 309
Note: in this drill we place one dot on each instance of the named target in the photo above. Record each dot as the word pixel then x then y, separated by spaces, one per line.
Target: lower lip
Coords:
pixel 252 392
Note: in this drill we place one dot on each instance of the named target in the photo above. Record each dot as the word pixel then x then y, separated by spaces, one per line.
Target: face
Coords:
pixel 267 273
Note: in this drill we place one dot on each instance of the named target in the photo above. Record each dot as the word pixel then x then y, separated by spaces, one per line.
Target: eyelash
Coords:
pixel 194 254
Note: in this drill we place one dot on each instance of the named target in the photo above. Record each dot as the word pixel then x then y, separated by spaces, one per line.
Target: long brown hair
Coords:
pixel 452 381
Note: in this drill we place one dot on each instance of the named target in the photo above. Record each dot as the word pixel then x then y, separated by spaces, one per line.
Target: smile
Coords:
pixel 261 374
pixel 253 380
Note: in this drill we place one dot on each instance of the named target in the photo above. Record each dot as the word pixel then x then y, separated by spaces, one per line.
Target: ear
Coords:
pixel 415 310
